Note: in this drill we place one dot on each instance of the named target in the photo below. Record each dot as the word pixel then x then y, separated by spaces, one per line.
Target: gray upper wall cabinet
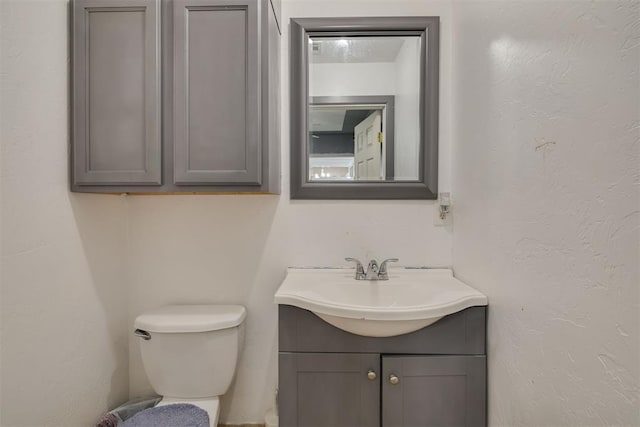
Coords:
pixel 203 119
pixel 116 107
pixel 216 92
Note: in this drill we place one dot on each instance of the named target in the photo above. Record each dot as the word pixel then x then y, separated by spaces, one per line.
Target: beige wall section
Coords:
pixel 547 209
pixel 64 350
pixel 235 249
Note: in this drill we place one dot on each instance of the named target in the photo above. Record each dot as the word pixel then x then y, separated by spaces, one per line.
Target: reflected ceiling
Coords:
pixel 352 50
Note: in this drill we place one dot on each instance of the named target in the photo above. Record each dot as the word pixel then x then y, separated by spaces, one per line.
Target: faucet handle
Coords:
pixel 382 271
pixel 360 274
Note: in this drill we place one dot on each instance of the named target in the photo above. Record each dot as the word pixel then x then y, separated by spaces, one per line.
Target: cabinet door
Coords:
pixel 329 390
pixel 434 391
pixel 217 122
pixel 116 99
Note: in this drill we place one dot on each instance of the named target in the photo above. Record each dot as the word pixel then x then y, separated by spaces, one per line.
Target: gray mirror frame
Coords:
pixel 428 28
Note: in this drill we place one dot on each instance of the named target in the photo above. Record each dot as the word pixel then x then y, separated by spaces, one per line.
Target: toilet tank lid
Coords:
pixel 191 318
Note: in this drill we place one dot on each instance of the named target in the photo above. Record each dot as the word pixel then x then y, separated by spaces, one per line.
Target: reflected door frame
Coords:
pixel 388 101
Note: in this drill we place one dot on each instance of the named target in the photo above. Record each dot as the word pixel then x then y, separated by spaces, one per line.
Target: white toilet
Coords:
pixel 190 352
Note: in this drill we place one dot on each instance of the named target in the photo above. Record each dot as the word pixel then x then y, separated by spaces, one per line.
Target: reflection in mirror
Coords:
pixel 348 141
pixel 364 108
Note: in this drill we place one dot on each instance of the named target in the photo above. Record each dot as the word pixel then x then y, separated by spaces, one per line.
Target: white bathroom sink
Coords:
pixel 410 300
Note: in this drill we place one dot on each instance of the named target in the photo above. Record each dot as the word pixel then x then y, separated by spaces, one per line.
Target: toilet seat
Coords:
pixel 210 404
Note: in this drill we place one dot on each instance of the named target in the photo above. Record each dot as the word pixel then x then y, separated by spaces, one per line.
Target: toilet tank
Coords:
pixel 191 351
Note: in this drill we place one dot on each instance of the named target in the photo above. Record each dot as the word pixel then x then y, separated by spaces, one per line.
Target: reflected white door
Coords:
pixel 368 148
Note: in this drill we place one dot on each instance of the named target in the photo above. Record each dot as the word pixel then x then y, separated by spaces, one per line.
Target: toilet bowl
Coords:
pixel 190 352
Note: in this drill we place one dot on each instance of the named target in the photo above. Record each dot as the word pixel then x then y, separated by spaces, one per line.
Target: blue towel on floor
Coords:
pixel 175 415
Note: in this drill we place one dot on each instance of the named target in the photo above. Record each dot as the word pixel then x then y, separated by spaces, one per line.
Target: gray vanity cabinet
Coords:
pixel 322 390
pixel 432 377
pixel 433 391
pixel 176 96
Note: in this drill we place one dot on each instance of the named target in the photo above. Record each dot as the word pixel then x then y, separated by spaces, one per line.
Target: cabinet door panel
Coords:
pixel 328 390
pixel 434 391
pixel 217 126
pixel 116 80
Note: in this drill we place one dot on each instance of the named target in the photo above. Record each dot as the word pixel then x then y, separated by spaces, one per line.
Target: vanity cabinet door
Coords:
pixel 116 97
pixel 434 391
pixel 329 390
pixel 216 93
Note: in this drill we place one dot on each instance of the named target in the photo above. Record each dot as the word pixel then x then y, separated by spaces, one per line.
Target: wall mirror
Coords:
pixel 364 108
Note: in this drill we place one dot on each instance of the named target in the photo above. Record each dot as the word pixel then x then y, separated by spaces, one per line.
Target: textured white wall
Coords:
pixel 64 350
pixel 234 249
pixel 546 203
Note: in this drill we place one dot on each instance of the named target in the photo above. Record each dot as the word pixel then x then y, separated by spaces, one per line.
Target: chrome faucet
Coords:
pixel 374 272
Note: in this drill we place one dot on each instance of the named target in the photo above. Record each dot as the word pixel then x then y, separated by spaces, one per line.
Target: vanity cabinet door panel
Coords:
pixel 116 99
pixel 434 391
pixel 216 93
pixel 329 390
